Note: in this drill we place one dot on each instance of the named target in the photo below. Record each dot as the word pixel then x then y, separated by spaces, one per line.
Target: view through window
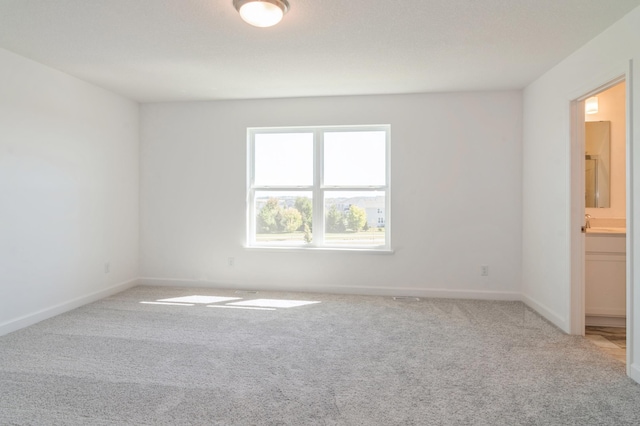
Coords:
pixel 323 187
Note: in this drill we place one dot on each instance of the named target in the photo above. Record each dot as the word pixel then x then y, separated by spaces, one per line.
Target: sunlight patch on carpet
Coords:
pixel 199 299
pixel 241 307
pixel 273 303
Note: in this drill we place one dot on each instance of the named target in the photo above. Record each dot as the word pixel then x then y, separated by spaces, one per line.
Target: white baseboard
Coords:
pixel 366 291
pixel 606 312
pixel 547 313
pixel 605 321
pixel 30 319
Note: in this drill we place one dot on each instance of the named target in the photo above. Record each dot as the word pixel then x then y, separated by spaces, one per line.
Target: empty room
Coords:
pixel 296 212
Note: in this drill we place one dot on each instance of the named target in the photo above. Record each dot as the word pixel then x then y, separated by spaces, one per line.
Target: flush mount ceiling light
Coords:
pixel 261 13
pixel 591 105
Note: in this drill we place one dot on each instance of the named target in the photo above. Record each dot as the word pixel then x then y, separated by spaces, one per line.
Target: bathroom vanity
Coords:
pixel 605 277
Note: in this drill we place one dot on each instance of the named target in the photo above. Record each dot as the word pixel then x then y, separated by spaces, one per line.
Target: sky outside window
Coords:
pixel 355 158
pixel 284 159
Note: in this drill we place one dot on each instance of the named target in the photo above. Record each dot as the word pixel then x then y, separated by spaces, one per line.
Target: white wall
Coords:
pixel 456 196
pixel 547 173
pixel 68 192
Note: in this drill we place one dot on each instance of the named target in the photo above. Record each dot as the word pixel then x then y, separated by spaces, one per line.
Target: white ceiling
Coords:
pixel 172 50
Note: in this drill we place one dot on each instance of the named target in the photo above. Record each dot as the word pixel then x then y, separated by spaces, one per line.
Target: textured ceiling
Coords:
pixel 171 50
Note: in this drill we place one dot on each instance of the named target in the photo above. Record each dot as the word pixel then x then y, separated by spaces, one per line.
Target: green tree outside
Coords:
pixel 273 218
pixel 356 218
pixel 290 220
pixel 335 221
pixel 269 217
pixel 303 205
pixel 308 236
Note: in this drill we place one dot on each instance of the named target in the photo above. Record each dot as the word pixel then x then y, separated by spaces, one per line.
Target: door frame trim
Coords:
pixel 577 205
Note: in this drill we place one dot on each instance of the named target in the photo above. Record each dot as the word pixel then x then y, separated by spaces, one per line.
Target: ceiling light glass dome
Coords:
pixel 261 13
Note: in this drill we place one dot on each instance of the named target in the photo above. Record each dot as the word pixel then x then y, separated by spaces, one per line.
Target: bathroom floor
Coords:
pixel 612 340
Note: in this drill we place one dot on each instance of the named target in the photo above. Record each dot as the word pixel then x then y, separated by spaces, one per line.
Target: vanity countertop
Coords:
pixel 606 230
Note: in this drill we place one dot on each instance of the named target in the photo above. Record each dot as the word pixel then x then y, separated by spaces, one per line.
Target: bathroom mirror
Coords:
pixel 597 164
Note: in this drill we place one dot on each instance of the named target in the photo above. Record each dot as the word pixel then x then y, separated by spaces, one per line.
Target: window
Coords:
pixel 320 187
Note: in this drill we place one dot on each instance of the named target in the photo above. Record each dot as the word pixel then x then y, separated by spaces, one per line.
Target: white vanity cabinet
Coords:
pixel 605 279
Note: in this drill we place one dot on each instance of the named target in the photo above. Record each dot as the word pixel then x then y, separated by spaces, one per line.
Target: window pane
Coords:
pixel 354 218
pixel 284 159
pixel 355 158
pixel 283 217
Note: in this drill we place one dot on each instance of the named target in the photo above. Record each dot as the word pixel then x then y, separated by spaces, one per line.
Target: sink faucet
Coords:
pixel 587 219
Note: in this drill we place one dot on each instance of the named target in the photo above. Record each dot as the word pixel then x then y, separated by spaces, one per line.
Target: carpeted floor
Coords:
pixel 348 360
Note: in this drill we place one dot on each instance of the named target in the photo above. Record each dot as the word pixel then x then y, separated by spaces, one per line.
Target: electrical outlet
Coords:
pixel 231 261
pixel 484 270
pixel 107 267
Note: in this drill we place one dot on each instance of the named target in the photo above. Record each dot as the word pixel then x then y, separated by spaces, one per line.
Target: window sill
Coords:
pixel 290 249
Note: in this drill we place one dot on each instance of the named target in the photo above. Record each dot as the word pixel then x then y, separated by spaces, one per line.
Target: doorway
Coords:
pixel 600 282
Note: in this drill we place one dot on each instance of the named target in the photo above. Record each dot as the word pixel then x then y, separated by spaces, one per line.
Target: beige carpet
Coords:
pixel 347 360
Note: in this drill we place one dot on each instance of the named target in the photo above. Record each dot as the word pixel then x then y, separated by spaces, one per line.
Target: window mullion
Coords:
pixel 318 192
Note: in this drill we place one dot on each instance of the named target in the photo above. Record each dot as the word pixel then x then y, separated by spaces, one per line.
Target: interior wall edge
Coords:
pixel 634 372
pixel 547 313
pixel 41 315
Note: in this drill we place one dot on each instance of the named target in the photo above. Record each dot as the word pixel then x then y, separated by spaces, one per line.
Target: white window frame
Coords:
pixel 317 189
